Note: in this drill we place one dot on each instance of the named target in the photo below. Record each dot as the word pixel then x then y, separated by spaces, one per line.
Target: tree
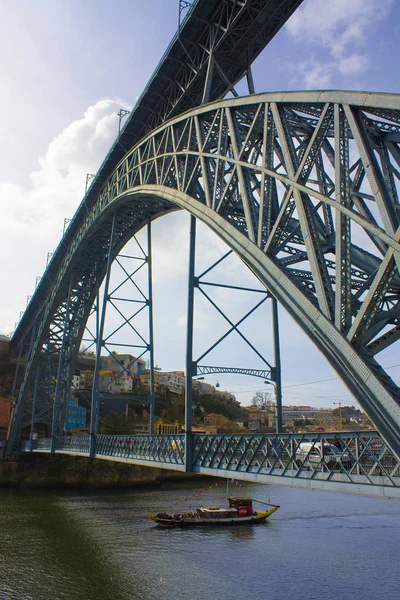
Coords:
pixel 262 400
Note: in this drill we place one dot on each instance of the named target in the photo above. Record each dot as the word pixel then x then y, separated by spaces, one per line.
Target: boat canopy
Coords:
pixel 235 502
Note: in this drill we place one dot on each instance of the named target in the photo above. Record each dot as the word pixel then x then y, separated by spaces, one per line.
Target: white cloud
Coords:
pixel 353 64
pixel 339 28
pixel 314 74
pixel 32 217
pixel 336 25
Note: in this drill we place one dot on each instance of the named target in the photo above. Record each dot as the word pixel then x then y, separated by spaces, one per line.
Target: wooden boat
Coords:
pixel 239 512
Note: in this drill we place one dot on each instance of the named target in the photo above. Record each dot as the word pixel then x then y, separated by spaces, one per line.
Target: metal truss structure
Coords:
pixel 302 186
pixel 128 310
pixel 364 465
pixel 200 284
pixel 193 368
pixel 261 373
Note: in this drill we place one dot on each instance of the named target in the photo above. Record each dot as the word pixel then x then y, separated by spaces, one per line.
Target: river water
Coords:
pixel 100 546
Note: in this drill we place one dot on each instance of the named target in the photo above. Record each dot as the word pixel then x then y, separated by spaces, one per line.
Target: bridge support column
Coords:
pixel 92 445
pixel 152 399
pixel 60 391
pixel 33 416
pixel 278 377
pixel 189 341
pixel 188 452
pixel 94 420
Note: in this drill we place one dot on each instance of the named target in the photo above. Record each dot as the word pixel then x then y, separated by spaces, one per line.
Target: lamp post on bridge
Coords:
pixel 278 407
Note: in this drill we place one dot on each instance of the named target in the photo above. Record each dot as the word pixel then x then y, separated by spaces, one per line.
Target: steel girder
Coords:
pixel 304 187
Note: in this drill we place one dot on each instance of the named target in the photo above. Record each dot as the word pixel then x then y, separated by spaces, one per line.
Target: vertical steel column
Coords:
pixel 94 417
pixel 250 81
pixel 14 385
pixel 151 330
pixel 33 415
pixel 277 353
pixel 209 75
pixel 16 409
pixel 189 348
pixel 59 371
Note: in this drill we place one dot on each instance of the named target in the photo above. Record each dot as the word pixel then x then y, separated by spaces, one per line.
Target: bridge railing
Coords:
pixel 166 449
pixel 73 443
pixel 361 457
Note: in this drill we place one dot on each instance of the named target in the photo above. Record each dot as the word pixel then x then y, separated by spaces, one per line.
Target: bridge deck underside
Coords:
pixel 364 466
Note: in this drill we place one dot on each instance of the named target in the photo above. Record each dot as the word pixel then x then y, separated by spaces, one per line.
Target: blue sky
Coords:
pixel 69 66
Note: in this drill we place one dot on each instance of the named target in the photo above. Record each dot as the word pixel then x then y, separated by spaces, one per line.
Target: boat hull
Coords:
pixel 185 523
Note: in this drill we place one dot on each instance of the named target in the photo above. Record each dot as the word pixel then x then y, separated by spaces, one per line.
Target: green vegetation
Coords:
pixel 218 405
pixel 170 408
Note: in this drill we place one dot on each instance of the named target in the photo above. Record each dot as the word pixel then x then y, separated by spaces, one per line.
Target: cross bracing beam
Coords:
pixel 262 373
pixel 254 170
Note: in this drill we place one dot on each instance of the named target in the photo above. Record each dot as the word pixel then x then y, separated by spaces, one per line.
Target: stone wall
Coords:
pixel 60 471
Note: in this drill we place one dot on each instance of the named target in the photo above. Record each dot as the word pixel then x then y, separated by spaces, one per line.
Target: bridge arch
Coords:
pixel 284 179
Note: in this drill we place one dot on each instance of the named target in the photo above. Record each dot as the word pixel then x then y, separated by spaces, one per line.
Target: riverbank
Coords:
pixel 39 471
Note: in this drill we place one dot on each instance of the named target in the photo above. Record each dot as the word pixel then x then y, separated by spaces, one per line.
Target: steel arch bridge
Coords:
pixel 303 186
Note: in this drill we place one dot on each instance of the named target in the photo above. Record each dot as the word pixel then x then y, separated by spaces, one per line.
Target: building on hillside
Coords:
pixel 112 382
pixel 76 415
pixel 227 396
pixel 322 416
pixel 202 387
pixel 144 379
pixel 215 423
pixel 5 413
pixel 172 381
pixel 86 379
pixel 119 373
pixel 259 420
pixel 126 364
pixel 198 429
pixel 76 381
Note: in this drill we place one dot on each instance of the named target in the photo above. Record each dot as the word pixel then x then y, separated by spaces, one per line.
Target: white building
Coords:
pixel 126 364
pixel 173 381
pixel 76 381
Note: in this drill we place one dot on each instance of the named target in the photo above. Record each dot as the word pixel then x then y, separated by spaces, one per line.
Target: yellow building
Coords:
pixel 145 379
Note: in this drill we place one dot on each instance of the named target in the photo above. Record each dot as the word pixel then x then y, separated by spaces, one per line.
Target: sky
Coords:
pixel 67 69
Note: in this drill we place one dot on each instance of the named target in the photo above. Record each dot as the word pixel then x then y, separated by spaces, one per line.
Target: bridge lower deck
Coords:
pixel 364 465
